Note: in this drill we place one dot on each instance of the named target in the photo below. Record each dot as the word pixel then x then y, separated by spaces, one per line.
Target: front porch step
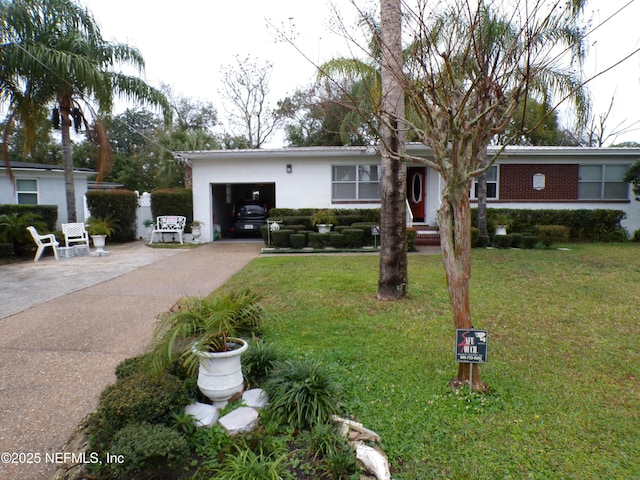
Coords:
pixel 427 235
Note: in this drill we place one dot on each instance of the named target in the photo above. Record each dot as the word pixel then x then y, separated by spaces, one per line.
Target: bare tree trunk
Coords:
pixel 67 157
pixel 454 216
pixel 392 281
pixel 482 204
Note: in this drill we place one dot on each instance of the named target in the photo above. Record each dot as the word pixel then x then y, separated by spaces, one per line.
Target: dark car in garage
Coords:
pixel 247 219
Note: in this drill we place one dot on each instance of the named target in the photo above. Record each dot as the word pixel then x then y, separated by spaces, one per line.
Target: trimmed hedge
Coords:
pixel 173 201
pixel 121 205
pixel 598 225
pixel 48 213
pixel 298 240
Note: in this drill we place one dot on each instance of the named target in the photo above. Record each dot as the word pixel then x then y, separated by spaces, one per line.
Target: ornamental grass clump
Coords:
pixel 301 393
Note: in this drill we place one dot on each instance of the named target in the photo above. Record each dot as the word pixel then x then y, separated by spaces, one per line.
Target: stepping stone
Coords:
pixel 243 419
pixel 255 398
pixel 203 415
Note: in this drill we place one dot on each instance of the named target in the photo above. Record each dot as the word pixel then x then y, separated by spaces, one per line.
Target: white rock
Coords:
pixel 255 398
pixel 373 461
pixel 203 415
pixel 243 419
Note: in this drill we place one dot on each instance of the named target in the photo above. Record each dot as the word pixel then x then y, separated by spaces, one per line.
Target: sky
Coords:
pixel 185 44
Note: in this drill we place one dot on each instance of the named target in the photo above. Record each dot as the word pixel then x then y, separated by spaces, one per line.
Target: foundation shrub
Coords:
pixel 475 233
pixel 47 213
pixel 412 235
pixel 6 250
pixel 529 241
pixel 550 234
pixel 598 225
pixel 297 240
pixel 354 237
pixel 366 231
pixel 337 240
pixel 502 241
pixel 280 238
pixel 149 451
pixel 483 241
pixel 516 240
pixel 318 240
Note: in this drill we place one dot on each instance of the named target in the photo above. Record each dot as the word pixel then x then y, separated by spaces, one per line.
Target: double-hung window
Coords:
pixel 492 184
pixel 355 182
pixel 603 182
pixel 27 191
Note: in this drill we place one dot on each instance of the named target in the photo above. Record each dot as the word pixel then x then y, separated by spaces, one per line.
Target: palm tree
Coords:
pixel 53 52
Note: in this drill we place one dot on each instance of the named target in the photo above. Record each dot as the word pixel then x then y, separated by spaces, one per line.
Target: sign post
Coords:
pixel 471 347
pixel 375 231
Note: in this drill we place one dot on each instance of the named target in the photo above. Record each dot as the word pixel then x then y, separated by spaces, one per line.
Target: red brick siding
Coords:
pixel 516 182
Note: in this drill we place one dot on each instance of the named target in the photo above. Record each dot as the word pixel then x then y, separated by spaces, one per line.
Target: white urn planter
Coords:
pixel 501 229
pixel 324 227
pixel 99 242
pixel 220 373
pixel 196 232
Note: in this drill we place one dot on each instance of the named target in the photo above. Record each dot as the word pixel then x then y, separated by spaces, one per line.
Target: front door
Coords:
pixel 416 177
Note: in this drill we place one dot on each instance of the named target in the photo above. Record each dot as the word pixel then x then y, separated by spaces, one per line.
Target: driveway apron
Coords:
pixel 65 326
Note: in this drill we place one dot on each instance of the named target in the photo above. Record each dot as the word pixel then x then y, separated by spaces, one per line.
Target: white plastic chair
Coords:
pixel 75 233
pixel 43 241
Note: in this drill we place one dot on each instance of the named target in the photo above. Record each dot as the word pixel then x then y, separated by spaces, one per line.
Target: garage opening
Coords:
pixel 226 196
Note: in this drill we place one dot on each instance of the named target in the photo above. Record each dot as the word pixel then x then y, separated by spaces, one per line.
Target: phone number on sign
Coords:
pixel 27 458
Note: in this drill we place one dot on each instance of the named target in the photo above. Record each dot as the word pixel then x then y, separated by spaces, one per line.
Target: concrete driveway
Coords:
pixel 65 325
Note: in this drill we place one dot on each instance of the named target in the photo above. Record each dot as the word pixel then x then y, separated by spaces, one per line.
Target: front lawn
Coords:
pixel 563 356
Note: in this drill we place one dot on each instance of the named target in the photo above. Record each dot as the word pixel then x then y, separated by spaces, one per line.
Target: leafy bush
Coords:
pixel 502 241
pixel 121 205
pixel 516 240
pixel 318 240
pixel 529 241
pixel 550 234
pixel 636 236
pixel 13 229
pixel 483 241
pixel 137 398
pixel 280 238
pixel 301 393
pixel 172 201
pixel 47 213
pixel 354 237
pixel 148 451
pixel 337 240
pixel 598 225
pixel 297 240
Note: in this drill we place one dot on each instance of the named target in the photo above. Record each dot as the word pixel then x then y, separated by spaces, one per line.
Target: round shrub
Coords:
pixel 139 398
pixel 550 234
pixel 301 394
pixel 148 451
pixel 297 240
pixel 516 240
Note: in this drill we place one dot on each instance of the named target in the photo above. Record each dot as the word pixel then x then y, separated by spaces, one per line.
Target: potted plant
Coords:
pixel 196 230
pixel 502 223
pixel 324 220
pixel 206 333
pixel 148 225
pixel 99 229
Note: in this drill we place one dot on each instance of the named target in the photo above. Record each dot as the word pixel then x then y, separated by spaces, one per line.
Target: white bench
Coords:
pixel 169 224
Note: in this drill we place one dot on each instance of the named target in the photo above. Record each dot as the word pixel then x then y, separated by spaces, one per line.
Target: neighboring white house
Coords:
pixel 39 184
pixel 349 177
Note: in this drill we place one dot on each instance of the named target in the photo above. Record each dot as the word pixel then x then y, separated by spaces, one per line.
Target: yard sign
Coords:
pixel 471 345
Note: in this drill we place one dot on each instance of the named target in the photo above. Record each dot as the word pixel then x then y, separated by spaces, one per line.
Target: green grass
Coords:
pixel 563 368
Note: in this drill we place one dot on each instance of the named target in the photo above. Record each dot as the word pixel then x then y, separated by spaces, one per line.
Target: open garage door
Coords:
pixel 225 196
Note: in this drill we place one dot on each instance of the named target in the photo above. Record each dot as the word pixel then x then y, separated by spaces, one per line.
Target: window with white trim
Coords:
pixel 355 182
pixel 492 184
pixel 27 191
pixel 603 182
